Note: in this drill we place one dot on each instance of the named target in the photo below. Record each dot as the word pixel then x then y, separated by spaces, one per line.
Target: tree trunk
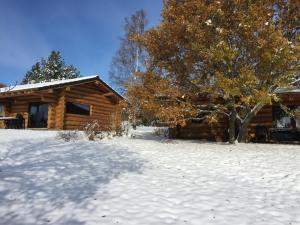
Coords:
pixel 231 131
pixel 134 121
pixel 242 136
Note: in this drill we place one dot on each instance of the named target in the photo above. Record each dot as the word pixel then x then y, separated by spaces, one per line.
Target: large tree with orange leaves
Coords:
pixel 239 51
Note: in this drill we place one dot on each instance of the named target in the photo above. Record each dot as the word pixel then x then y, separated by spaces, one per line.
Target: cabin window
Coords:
pixel 79 109
pixel 282 119
pixel 2 110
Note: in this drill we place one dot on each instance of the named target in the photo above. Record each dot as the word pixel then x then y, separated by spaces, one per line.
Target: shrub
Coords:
pixel 68 136
pixel 161 131
pixel 93 130
pixel 117 128
pixel 113 128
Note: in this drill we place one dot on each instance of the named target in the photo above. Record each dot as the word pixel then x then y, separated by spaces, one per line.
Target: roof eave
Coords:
pixel 57 86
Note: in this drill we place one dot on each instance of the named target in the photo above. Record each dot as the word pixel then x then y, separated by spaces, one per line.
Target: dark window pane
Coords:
pixel 38 115
pixel 76 108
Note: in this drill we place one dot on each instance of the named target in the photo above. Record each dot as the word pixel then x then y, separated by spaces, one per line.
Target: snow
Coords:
pixel 287 90
pixel 44 84
pixel 145 180
pixel 208 22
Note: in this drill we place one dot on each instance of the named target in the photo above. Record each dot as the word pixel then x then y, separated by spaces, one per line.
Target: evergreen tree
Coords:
pixel 235 52
pixel 2 85
pixel 34 75
pixel 52 68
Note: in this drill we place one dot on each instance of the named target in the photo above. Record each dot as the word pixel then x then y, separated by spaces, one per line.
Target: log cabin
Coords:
pixel 271 124
pixel 61 104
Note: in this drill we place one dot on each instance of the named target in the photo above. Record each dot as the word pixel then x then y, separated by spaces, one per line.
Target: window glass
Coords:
pixel 76 108
pixel 38 115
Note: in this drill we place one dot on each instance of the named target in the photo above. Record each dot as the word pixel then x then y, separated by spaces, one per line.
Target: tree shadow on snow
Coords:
pixel 150 136
pixel 42 177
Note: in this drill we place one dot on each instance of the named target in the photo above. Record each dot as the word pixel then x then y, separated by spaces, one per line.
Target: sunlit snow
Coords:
pixel 145 180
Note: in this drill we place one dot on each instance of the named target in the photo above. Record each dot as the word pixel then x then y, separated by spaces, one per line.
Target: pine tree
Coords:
pixel 235 52
pixel 52 68
pixel 2 85
pixel 34 75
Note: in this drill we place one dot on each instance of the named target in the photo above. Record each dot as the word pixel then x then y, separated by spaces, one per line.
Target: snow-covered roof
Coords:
pixel 46 84
pixel 55 84
pixel 296 81
pixel 287 90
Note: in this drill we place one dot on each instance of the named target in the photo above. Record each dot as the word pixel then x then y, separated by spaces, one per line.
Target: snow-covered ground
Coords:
pixel 145 180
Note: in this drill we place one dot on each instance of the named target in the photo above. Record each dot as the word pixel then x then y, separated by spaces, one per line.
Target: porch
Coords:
pixel 285 126
pixel 29 111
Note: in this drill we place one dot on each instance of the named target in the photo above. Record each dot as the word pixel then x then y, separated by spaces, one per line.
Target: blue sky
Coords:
pixel 86 32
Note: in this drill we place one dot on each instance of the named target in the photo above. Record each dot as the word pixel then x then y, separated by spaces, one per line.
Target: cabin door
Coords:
pixel 38 115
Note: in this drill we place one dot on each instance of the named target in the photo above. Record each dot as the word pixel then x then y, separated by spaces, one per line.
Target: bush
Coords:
pixel 93 130
pixel 117 128
pixel 123 129
pixel 161 131
pixel 68 136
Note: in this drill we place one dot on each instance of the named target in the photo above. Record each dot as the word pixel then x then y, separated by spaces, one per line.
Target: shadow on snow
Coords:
pixel 44 176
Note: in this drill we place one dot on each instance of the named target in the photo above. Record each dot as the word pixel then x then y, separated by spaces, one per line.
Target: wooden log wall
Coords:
pixel 20 105
pixel 263 118
pixel 219 131
pixel 103 109
pixel 57 115
pixel 265 115
pixel 202 131
pixel 6 105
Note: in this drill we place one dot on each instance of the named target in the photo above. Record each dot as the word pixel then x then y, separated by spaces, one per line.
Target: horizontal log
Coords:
pixel 88 99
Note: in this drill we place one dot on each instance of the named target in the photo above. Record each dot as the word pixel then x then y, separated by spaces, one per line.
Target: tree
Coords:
pixel 130 59
pixel 235 52
pixel 2 85
pixel 287 14
pixel 35 74
pixel 52 68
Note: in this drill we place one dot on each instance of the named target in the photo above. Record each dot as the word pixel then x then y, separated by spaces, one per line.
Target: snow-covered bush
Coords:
pixel 94 130
pixel 117 128
pixel 126 128
pixel 161 131
pixel 68 135
pixel 120 129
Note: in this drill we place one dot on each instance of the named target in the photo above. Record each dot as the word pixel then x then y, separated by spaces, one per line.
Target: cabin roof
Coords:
pixel 287 90
pixel 56 84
